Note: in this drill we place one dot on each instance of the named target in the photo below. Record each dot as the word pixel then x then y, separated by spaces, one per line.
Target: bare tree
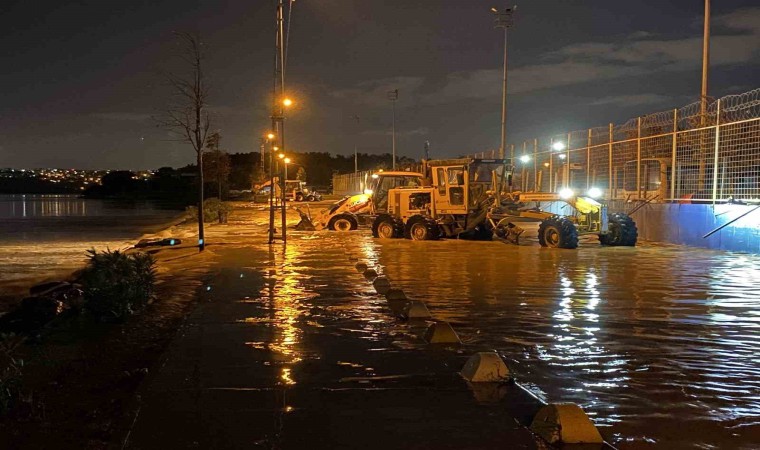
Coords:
pixel 187 116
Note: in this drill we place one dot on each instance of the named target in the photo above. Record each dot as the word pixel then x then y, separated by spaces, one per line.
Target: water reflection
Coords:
pixel 648 340
pixel 40 206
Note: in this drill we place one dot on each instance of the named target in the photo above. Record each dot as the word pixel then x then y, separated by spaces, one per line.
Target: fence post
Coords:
pixel 609 160
pixel 536 187
pixel 588 161
pixel 567 162
pixel 715 158
pixel 551 164
pixel 673 169
pixel 638 158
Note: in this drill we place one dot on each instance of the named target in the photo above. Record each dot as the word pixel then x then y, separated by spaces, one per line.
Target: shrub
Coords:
pixel 10 371
pixel 117 284
pixel 212 208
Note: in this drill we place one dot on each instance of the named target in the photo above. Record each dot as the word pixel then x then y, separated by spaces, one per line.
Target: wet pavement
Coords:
pixel 295 349
pixel 292 348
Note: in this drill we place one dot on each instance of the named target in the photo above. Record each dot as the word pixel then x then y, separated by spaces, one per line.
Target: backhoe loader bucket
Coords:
pixel 305 224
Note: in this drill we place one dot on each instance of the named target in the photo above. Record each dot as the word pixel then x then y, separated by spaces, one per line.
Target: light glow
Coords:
pixel 525 158
pixel 594 192
pixel 566 193
pixel 558 146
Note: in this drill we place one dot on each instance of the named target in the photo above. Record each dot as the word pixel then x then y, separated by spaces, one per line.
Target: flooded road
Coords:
pixel 291 346
pixel 660 344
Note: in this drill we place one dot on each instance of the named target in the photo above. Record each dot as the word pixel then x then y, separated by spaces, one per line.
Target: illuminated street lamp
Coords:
pixel 525 159
pixel 287 102
pixel 558 146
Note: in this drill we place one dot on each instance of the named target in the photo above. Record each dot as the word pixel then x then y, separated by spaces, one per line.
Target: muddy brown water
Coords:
pixel 659 344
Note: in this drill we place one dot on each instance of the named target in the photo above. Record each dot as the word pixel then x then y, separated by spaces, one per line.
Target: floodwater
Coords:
pixel 659 344
pixel 43 236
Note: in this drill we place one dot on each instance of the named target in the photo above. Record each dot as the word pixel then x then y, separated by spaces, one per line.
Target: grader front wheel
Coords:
pixel 623 231
pixel 420 228
pixel 557 232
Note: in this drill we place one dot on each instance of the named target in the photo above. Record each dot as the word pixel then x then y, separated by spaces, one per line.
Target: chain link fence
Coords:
pixel 705 152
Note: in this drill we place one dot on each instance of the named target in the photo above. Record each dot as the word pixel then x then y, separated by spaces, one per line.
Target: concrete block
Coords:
pixel 370 274
pixel 398 307
pixel 382 284
pixel 416 310
pixel 441 333
pixel 360 267
pixel 565 423
pixel 485 367
pixel 395 294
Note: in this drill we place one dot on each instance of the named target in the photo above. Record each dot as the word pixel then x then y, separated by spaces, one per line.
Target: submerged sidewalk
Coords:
pixel 292 348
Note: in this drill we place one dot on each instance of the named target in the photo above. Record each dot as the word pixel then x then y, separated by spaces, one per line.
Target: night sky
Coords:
pixel 81 80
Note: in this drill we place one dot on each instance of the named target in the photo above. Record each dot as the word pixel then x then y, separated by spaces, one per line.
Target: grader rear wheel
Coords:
pixel 557 232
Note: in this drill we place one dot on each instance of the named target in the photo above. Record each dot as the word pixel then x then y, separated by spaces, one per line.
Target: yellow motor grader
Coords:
pixel 465 198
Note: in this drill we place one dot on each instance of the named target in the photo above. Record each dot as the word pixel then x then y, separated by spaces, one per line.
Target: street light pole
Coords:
pixel 271 190
pixel 393 96
pixel 504 20
pixel 705 61
pixel 284 177
pixel 356 146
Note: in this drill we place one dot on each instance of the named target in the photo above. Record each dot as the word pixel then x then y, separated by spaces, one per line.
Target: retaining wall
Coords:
pixel 686 224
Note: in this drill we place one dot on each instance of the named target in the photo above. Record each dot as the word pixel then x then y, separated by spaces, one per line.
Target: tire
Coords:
pixel 342 223
pixel 558 232
pixel 420 228
pixel 310 198
pixel 386 227
pixel 623 231
pixel 299 197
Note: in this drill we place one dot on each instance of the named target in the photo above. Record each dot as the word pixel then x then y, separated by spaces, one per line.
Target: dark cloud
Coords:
pixel 81 81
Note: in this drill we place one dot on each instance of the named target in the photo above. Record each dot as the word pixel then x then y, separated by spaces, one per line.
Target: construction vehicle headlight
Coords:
pixel 368 192
pixel 566 193
pixel 594 192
